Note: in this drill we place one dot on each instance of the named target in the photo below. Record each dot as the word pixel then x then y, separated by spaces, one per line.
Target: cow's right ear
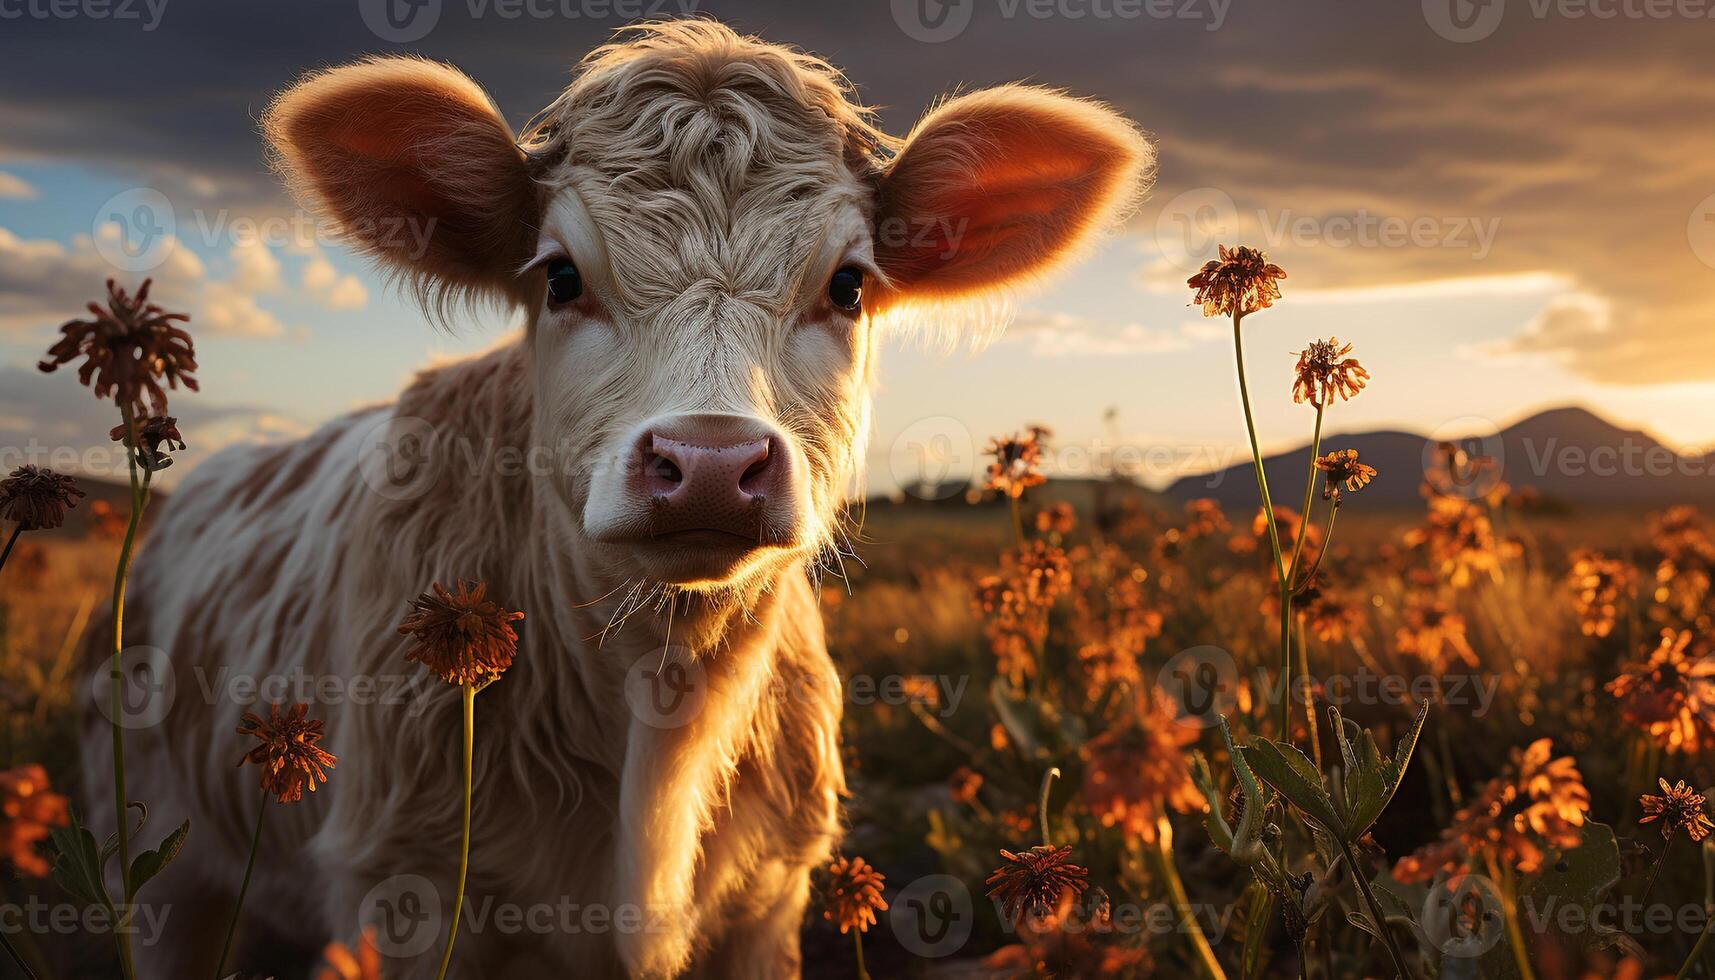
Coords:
pixel 418 168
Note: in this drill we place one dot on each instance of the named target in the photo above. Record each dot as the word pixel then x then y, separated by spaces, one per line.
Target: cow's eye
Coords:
pixel 845 290
pixel 564 283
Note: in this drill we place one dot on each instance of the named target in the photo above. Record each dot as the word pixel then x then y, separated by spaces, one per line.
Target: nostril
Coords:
pixel 755 478
pixel 662 468
pixel 661 472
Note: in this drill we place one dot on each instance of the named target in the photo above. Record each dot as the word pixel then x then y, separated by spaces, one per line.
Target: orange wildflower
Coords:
pixel 461 635
pixel 29 809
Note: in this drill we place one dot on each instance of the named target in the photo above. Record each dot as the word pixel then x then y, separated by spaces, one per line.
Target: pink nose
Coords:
pixel 708 481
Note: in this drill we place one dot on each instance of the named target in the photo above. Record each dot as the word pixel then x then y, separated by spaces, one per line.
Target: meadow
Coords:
pixel 1093 732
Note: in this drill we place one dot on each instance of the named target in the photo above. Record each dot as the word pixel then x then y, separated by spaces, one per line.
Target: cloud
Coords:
pixel 335 291
pixel 1067 335
pixel 1555 132
pixel 12 186
pixel 43 282
pixel 255 269
pixel 1578 321
pixel 1591 335
pixel 50 420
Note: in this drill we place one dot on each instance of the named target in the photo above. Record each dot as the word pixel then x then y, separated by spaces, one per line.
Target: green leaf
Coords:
pixel 150 863
pixel 77 862
pixel 1215 818
pixel 110 846
pixel 1295 777
pixel 1397 898
pixel 1580 878
pixel 1370 780
pixel 1391 899
pixel 1259 916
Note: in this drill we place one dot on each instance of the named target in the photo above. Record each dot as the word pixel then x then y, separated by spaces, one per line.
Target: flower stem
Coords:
pixel 237 910
pixel 1208 968
pixel 1375 910
pixel 10 541
pixel 11 951
pixel 1309 495
pixel 24 951
pixel 1256 451
pixel 1017 519
pixel 1310 726
pixel 1280 568
pixel 1690 964
pixel 857 941
pixel 1655 871
pixel 1042 800
pixel 139 497
pixel 1327 541
pixel 1509 905
pixel 469 691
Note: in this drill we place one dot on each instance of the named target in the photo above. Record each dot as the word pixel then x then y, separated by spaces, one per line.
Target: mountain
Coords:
pixel 1569 454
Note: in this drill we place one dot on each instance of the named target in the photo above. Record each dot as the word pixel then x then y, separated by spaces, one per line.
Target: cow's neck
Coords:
pixel 685 677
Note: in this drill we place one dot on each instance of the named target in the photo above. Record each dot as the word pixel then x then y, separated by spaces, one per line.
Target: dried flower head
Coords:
pixel 1014 603
pixel 1670 694
pixel 1343 471
pixel 1678 808
pixel 1432 632
pixel 1076 940
pixel 461 635
pixel 964 784
pixel 852 894
pixel 1682 536
pixel 129 348
pixel 1242 280
pixel 1033 882
pixel 1324 370
pixel 1133 770
pixel 37 498
pixel 345 963
pixel 1113 618
pixel 287 754
pixel 1331 618
pixel 1017 462
pixel 146 438
pixel 1204 518
pixel 1459 541
pixel 1597 583
pixel 1537 803
pixel 1059 519
pixel 29 808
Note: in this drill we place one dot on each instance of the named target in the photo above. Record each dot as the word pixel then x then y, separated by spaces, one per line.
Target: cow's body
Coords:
pixel 284 563
pixel 704 235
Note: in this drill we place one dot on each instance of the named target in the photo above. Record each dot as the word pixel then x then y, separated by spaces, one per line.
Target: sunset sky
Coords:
pixel 1504 216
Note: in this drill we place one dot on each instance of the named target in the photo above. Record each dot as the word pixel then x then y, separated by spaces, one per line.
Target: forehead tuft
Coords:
pixel 708 157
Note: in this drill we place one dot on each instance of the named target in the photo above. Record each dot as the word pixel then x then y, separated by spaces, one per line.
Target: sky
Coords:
pixel 1505 206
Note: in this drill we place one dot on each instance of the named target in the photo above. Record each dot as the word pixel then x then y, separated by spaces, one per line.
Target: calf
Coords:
pixel 706 238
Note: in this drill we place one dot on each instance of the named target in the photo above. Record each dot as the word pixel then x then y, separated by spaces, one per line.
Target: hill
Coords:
pixel 1568 454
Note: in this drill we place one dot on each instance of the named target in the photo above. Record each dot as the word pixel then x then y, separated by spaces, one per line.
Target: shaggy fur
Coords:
pixel 706 185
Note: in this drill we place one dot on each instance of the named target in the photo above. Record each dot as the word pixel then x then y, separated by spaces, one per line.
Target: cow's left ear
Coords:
pixel 416 166
pixel 1002 186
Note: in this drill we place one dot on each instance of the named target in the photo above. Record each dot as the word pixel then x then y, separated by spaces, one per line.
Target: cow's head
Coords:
pixel 708 236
